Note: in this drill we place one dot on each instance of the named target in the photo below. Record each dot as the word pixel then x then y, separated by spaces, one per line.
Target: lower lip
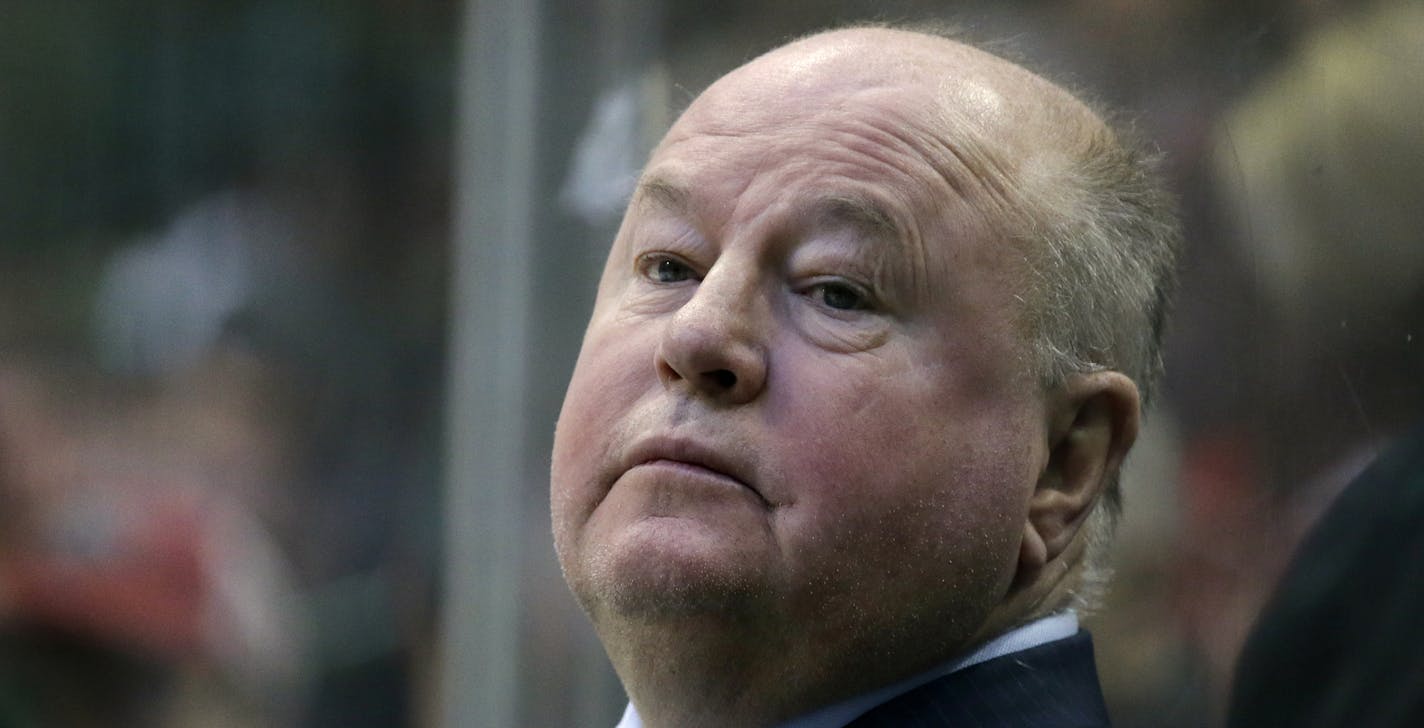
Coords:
pixel 692 469
pixel 678 480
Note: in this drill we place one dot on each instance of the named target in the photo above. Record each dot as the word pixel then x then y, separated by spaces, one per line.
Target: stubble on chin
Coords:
pixel 645 583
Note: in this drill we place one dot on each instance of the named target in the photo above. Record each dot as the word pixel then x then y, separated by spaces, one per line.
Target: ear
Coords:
pixel 1092 423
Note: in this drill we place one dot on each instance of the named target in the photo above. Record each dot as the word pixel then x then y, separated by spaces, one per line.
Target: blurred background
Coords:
pixel 289 292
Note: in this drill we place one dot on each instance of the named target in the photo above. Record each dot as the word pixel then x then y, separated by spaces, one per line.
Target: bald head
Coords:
pixel 1002 129
pixel 981 88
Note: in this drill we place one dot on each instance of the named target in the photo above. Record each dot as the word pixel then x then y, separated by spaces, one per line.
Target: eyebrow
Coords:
pixel 857 212
pixel 854 211
pixel 663 193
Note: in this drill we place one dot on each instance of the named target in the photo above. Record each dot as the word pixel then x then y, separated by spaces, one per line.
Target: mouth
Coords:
pixel 694 458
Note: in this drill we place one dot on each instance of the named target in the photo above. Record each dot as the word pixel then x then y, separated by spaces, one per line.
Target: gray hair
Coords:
pixel 1101 237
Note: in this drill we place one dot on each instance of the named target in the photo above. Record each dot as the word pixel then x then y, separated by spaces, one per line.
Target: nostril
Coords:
pixel 723 378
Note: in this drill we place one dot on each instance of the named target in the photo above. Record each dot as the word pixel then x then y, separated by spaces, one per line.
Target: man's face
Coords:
pixel 802 396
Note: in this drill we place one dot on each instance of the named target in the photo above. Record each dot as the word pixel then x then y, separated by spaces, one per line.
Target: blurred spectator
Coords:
pixel 222 243
pixel 130 566
pixel 1321 166
pixel 1318 168
pixel 164 304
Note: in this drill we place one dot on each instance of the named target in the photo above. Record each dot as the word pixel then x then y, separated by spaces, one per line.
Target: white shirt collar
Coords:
pixel 1041 631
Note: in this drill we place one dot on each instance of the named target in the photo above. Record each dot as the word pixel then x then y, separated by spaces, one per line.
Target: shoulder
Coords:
pixel 1053 684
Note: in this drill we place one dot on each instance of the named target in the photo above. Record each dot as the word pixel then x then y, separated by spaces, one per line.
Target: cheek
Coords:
pixel 605 384
pixel 897 463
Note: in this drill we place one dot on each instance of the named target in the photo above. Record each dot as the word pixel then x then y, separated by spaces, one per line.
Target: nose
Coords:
pixel 714 346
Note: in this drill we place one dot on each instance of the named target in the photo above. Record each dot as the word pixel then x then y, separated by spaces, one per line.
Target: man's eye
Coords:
pixel 839 296
pixel 662 269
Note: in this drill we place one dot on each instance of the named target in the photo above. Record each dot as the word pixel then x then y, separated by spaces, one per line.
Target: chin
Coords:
pixel 652 574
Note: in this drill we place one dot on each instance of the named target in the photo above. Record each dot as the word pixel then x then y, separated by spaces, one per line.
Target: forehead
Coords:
pixel 865 153
pixel 905 123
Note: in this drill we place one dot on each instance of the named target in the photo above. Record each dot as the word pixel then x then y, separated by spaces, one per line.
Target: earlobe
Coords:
pixel 1092 425
pixel 1033 553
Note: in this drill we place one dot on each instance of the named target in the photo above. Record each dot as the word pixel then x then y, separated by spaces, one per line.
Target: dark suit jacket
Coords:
pixel 1339 645
pixel 1054 685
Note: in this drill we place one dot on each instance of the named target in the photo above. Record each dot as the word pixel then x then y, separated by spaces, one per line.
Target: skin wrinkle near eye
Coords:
pixel 853 341
pixel 895 271
pixel 868 213
pixel 663 206
pixel 643 295
pixel 652 265
pixel 864 271
pixel 889 144
pixel 838 332
pixel 836 215
pixel 875 212
pixel 846 238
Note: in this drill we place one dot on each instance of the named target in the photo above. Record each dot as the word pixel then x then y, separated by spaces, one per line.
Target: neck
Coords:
pixel 707 670
pixel 686 672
